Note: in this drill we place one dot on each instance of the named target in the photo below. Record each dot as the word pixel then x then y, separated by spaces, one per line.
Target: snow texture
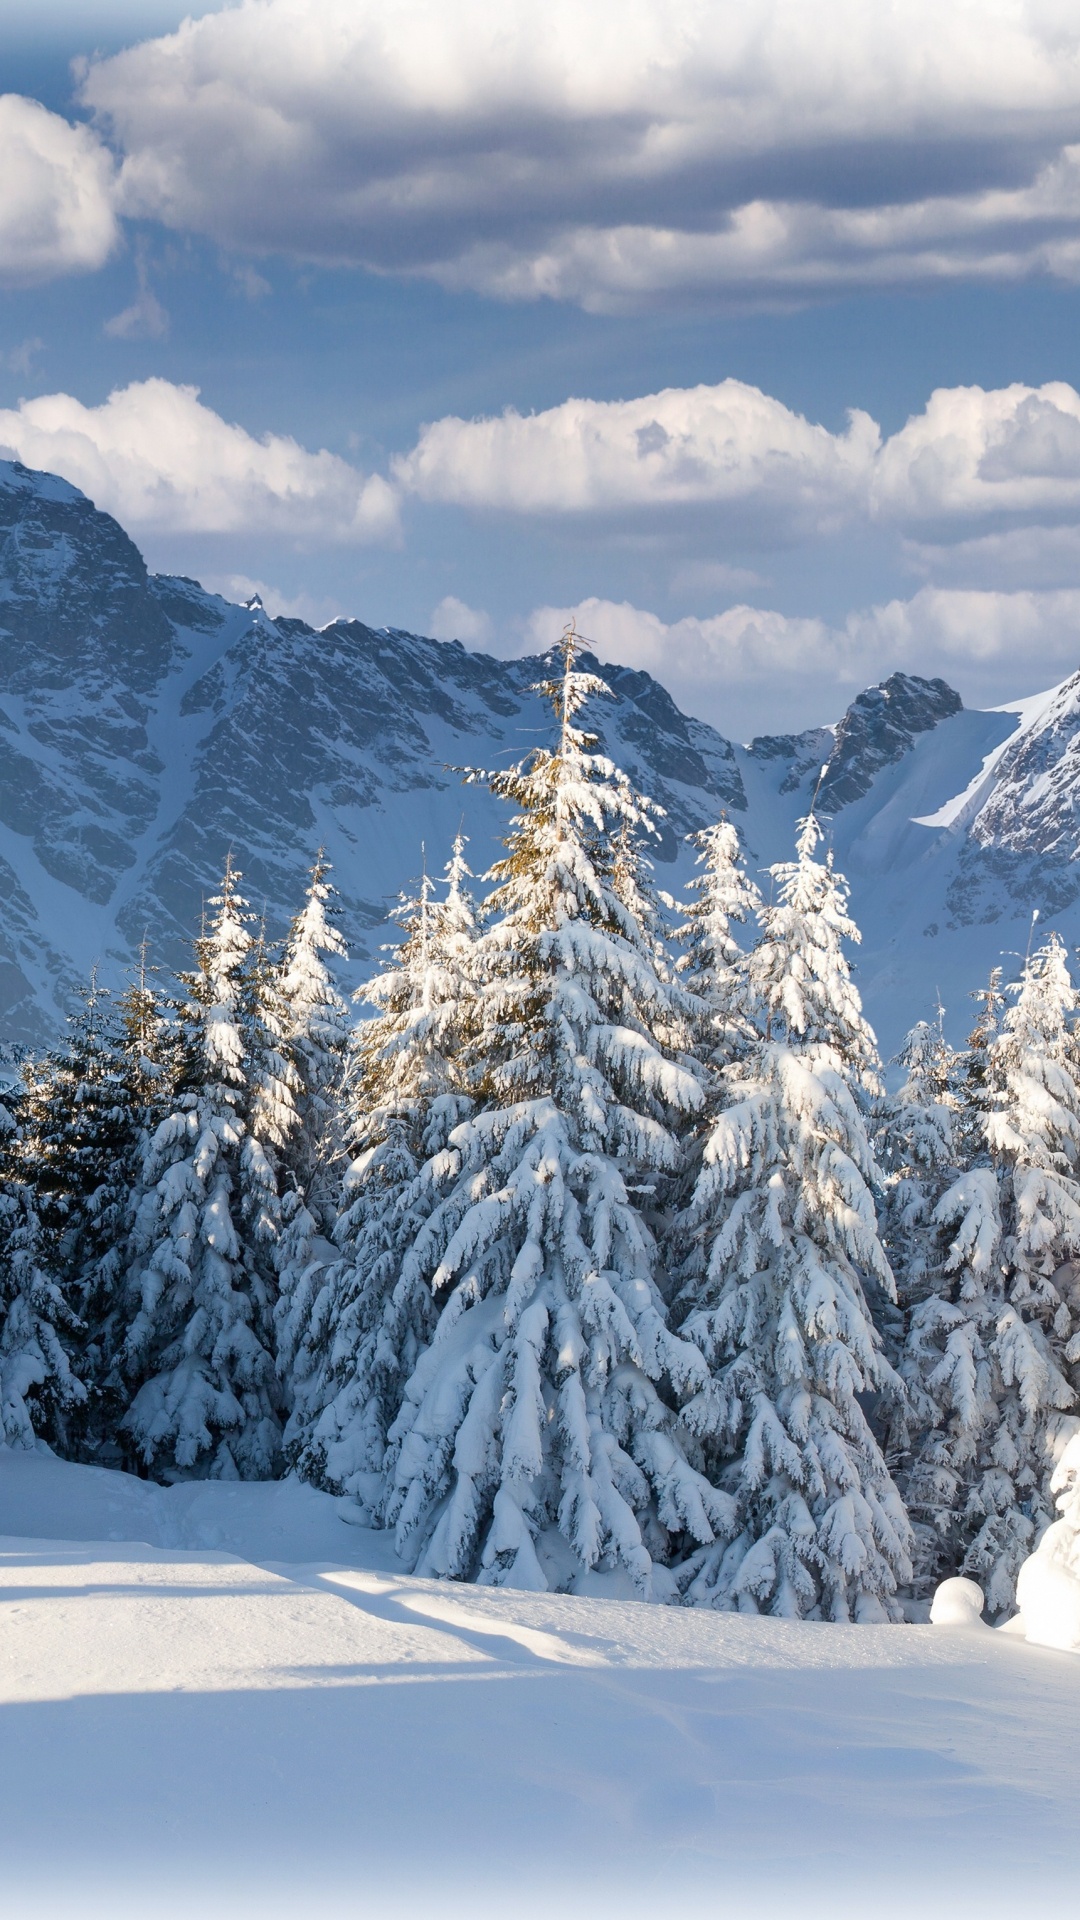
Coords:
pixel 219 1698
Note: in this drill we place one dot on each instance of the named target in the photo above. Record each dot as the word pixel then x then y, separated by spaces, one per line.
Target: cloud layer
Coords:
pixel 978 479
pixel 979 493
pixel 752 661
pixel 616 155
pixel 162 462
pixel 56 202
pixel 1005 459
pixel 728 444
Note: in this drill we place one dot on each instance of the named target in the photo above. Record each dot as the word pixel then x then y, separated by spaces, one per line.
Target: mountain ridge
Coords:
pixel 149 727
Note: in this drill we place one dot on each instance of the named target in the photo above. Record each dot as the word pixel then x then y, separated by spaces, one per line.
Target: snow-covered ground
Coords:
pixel 224 1699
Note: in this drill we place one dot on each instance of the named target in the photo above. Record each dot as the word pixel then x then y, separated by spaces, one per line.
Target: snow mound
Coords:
pixel 1048 1587
pixel 957 1603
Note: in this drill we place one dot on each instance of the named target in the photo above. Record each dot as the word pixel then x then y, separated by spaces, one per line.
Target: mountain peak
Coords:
pixel 878 729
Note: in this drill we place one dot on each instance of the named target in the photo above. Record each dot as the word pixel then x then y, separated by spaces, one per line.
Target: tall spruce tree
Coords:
pixel 995 1344
pixel 356 1327
pixel 316 1036
pixel 40 1393
pixel 712 964
pixel 540 1434
pixel 785 1207
pixel 200 1343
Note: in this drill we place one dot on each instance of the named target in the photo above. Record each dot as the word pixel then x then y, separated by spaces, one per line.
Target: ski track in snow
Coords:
pixel 219 1698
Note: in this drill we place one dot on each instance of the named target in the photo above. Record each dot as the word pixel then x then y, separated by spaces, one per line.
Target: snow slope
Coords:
pixel 223 1699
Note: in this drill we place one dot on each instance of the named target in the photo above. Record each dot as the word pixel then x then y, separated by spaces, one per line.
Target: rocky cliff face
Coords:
pixel 148 728
pixel 878 729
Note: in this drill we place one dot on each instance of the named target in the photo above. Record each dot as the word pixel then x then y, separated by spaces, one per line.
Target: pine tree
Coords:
pixel 785 1206
pixel 314 1032
pixel 357 1327
pixel 316 1037
pixel 39 1390
pixel 712 964
pixel 201 1340
pixel 539 1436
pixel 919 1148
pixel 72 1165
pixel 995 1340
pixel 715 970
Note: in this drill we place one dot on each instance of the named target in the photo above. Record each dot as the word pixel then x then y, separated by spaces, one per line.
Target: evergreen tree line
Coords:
pixel 595 1245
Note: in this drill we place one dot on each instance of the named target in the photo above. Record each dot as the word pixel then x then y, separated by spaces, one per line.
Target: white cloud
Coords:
pixel 975 454
pixel 985 485
pixel 612 154
pixel 728 444
pixel 453 620
pixel 56 202
pixel 162 462
pixel 750 670
pixel 1031 556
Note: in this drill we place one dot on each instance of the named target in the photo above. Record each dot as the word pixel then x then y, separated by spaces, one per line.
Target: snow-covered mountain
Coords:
pixel 148 727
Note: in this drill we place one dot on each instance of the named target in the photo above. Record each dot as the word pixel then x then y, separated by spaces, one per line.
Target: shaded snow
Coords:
pixel 251 1712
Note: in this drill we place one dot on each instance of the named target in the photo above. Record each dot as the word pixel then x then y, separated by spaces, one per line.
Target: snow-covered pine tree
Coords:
pixel 540 1437
pixel 351 1332
pixel 314 1031
pixel 201 1341
pixel 918 1149
pixel 39 1390
pixel 136 1083
pixel 73 1165
pixel 317 1038
pixel 714 968
pixel 712 963
pixel 994 1343
pixel 973 1084
pixel 785 1206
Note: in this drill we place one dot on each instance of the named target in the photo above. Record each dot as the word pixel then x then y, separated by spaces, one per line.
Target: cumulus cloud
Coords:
pixel 984 486
pixel 974 454
pixel 749 669
pixel 162 462
pixel 56 208
pixel 453 620
pixel 613 155
pixel 728 444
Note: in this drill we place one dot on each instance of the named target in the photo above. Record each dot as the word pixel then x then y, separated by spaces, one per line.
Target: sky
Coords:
pixel 744 332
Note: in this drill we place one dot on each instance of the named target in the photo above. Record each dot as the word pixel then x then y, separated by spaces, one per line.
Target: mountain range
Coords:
pixel 148 728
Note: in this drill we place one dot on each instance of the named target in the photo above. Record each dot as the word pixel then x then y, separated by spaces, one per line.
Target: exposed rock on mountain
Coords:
pixel 877 730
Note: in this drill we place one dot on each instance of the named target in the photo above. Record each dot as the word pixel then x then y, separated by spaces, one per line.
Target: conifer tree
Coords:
pixel 73 1165
pixel 316 1037
pixel 994 1443
pixel 201 1340
pixel 785 1207
pixel 355 1328
pixel 39 1390
pixel 712 964
pixel 714 969
pixel 994 1342
pixel 919 1148
pixel 314 1032
pixel 540 1434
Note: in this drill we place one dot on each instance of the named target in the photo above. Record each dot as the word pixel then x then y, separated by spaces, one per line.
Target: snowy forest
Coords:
pixel 597 1242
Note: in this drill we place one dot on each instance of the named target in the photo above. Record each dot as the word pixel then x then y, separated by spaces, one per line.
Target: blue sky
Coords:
pixel 364 229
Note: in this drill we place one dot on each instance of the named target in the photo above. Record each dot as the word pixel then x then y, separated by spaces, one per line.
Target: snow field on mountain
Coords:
pixel 223 1699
